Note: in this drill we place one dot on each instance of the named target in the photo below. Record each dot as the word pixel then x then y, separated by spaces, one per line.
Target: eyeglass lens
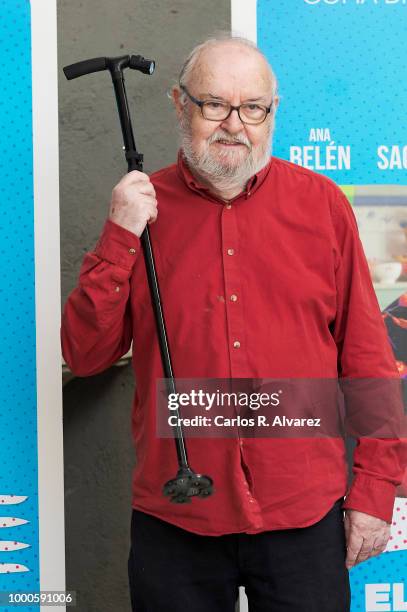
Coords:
pixel 220 110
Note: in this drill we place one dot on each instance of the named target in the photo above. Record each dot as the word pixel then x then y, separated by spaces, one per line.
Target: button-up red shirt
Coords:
pixel 287 249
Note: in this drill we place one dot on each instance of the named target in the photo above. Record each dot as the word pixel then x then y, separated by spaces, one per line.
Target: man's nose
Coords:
pixel 233 123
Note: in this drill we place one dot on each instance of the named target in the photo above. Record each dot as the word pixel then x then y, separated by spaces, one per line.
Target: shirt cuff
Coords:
pixel 372 496
pixel 118 245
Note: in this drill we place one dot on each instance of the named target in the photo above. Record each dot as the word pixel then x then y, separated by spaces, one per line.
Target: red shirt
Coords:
pixel 288 249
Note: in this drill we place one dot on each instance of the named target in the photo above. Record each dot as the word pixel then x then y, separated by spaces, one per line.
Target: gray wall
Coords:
pixel 98 447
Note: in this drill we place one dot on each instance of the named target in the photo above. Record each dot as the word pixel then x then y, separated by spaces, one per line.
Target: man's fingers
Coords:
pixel 365 551
pixel 148 200
pixel 378 550
pixel 379 546
pixel 146 189
pixel 153 216
pixel 370 548
pixel 354 545
pixel 135 176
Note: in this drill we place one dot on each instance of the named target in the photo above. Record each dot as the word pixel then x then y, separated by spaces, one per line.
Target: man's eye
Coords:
pixel 215 105
pixel 252 107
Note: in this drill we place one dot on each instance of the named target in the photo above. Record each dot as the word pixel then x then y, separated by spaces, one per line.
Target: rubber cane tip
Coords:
pixel 181 499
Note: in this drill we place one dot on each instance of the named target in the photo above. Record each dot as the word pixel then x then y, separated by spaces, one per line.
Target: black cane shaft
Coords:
pixel 134 164
pixel 124 114
pixel 162 338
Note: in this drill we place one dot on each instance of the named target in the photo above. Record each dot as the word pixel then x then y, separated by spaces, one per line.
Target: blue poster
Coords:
pixel 341 66
pixel 19 546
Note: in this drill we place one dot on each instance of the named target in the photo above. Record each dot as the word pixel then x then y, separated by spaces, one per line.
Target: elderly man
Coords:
pixel 262 275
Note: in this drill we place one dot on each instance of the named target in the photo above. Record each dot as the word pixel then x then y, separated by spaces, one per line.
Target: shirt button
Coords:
pixel 231 251
pixel 117 289
pixel 228 206
pixel 236 344
pixel 132 251
pixel 233 298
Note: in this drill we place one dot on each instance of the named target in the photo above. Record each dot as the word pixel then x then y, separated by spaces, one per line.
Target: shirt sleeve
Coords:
pixel 367 363
pixel 96 328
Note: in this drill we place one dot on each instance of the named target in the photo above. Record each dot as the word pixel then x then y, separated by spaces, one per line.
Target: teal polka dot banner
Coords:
pixel 342 73
pixel 19 557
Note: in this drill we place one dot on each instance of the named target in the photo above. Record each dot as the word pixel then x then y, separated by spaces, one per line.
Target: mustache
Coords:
pixel 222 136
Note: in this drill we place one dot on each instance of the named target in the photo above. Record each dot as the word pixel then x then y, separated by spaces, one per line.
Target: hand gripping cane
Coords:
pixel 186 483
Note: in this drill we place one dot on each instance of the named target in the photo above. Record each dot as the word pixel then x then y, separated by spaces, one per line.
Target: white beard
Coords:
pixel 226 174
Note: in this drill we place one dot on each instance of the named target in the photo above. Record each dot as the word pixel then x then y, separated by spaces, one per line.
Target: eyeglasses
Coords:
pixel 217 110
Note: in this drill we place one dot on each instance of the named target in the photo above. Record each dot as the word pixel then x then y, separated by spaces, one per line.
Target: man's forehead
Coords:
pixel 226 67
pixel 258 94
pixel 247 89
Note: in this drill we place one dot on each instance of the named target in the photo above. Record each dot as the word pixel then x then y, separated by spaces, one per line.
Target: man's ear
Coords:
pixel 176 98
pixel 276 100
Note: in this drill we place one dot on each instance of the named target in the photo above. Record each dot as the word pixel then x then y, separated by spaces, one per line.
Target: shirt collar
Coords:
pixel 193 183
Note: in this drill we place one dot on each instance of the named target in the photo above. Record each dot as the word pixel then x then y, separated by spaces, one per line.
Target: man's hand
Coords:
pixel 133 202
pixel 366 536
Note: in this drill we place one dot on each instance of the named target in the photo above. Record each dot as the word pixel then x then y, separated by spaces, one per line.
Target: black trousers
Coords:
pixel 291 570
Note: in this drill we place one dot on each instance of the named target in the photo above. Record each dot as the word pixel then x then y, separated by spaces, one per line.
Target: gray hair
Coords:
pixel 193 58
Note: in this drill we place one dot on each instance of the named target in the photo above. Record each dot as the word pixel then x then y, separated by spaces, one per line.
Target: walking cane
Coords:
pixel 186 483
